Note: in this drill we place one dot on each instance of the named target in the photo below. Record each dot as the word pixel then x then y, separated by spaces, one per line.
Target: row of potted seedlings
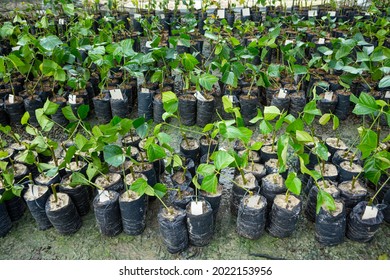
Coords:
pixel 255 63
pixel 269 174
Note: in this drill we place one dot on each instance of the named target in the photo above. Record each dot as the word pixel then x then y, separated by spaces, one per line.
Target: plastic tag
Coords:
pixel 16 48
pixel 198 4
pixel 196 208
pixel 61 21
pixel 282 93
pixel 221 14
pixel 137 16
pixel 231 98
pixel 321 41
pixel 387 95
pixel 148 44
pixel 103 196
pixel 171 5
pixel 328 95
pixel 11 98
pixel 312 13
pixel 246 12
pixel 332 13
pixel 116 94
pixel 145 90
pixel 72 99
pixel 199 96
pixel 288 42
pixel 162 16
pixel 370 212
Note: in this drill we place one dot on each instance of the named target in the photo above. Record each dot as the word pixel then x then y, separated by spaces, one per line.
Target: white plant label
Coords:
pixel 198 4
pixel 162 16
pixel 11 98
pixel 332 13
pixel 137 16
pixel 199 96
pixel 171 5
pixel 103 196
pixel 145 90
pixel 72 99
pixel 321 41
pixel 224 4
pixel 282 93
pixel 328 95
pixel 116 94
pixel 246 12
pixel 231 98
pixel 61 21
pixel 16 48
pixel 370 212
pixel 148 44
pixel 221 14
pixel 312 13
pixel 288 42
pixel 196 208
pixel 387 95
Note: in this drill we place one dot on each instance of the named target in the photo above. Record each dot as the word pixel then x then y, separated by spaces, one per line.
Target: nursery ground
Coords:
pixel 25 241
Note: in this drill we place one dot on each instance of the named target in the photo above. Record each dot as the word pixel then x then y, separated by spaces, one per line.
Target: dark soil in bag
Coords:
pixel 103 108
pixel 190 149
pixel 352 194
pixel 173 228
pixel 111 181
pixel 187 109
pixel 145 105
pixel 330 226
pixel 32 103
pixel 240 189
pixel 251 216
pixel 200 226
pixel 120 107
pixel 362 230
pixel 63 214
pixel 205 111
pixel 107 213
pixel 249 105
pixel 272 185
pixel 208 146
pixel 348 171
pixel 158 109
pixel 36 197
pixel 133 212
pixel 15 110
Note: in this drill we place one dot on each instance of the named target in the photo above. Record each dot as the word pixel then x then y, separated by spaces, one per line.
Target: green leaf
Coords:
pixel 336 122
pixel 271 112
pixel 50 42
pixel 155 152
pixel 366 104
pixel 324 198
pixel 229 78
pixel 50 108
pixel 68 9
pixel 368 142
pixel 189 61
pixel 265 127
pixel 159 190
pixel 325 50
pixel 170 102
pixel 299 69
pixel 222 159
pixel 384 82
pixel 82 111
pixel 210 183
pixel 78 179
pixel 113 155
pixel 293 183
pixel 141 127
pixel 205 169
pixel 227 104
pixel 303 136
pixel 324 119
pixel 322 151
pixel 343 52
pixel 25 118
pixel 256 146
pixel 207 81
pixel 164 138
pixel 139 186
pixel 70 153
pixel 68 114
